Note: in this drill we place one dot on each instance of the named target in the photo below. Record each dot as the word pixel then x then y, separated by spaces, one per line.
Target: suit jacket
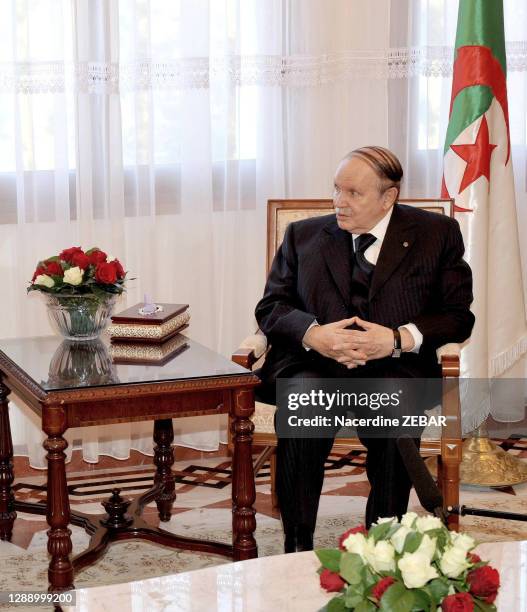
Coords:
pixel 420 277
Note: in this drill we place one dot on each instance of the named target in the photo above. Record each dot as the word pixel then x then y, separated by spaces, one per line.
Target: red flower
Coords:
pixel 473 558
pixel 330 581
pixel 118 268
pixel 51 268
pixel 106 273
pixel 80 259
pixel 67 254
pixel 97 257
pixel 460 602
pixel 484 582
pixel 381 586
pixel 359 529
pixel 40 270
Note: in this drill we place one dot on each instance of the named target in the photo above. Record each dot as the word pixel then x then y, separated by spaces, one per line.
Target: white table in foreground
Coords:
pixel 283 582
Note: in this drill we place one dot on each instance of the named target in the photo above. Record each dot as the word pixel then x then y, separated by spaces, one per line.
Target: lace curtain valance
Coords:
pixel 198 72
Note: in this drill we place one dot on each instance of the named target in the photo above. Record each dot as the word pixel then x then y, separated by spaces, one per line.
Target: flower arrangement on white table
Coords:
pixel 408 566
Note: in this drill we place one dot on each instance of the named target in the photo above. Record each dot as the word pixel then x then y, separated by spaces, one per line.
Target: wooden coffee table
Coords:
pixel 76 385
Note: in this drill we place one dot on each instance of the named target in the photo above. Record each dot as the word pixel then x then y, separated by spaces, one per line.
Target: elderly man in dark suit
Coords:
pixel 369 292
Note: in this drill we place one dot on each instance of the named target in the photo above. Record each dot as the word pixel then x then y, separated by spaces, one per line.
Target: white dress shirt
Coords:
pixel 371 254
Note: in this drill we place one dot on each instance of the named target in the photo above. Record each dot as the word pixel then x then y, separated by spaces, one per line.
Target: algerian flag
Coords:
pixel 478 174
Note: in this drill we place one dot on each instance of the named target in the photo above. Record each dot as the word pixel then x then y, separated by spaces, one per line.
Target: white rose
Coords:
pixel 416 570
pixel 427 546
pixel 425 523
pixel 357 543
pixel 462 540
pixel 453 562
pixel 44 280
pixel 73 276
pixel 381 556
pixel 408 519
pixel 399 537
pixel 385 519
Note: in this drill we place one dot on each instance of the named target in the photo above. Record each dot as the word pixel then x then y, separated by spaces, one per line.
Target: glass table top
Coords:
pixel 56 364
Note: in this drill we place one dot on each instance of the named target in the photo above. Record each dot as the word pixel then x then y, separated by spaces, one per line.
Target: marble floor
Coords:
pixel 202 509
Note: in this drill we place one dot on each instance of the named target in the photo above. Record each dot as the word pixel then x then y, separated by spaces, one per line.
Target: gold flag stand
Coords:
pixel 485 464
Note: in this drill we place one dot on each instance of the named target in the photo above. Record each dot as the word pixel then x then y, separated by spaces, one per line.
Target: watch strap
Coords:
pixel 397 346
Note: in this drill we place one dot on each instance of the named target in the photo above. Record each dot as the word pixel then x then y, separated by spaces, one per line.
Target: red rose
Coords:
pixel 381 586
pixel 484 581
pixel 53 268
pixel 331 581
pixel 359 529
pixel 97 257
pixel 106 273
pixel 67 254
pixel 473 558
pixel 40 270
pixel 118 268
pixel 460 602
pixel 80 259
pixel 490 598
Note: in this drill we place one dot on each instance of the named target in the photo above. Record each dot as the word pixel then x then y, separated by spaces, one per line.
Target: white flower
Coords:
pixel 462 540
pixel 357 543
pixel 453 562
pixel 425 523
pixel 416 570
pixel 408 519
pixel 381 556
pixel 44 280
pixel 399 537
pixel 385 519
pixel 427 546
pixel 73 276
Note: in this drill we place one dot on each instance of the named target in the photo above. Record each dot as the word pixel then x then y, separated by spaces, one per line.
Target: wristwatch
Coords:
pixel 397 349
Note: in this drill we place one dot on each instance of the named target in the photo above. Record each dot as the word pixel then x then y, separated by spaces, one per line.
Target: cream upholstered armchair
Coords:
pixel 442 442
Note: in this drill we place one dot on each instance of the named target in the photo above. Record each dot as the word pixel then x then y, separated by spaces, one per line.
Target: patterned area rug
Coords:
pixel 202 509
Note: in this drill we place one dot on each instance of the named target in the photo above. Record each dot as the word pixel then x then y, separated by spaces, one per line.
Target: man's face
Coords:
pixel 357 195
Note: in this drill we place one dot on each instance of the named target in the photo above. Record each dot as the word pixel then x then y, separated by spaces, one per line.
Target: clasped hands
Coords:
pixel 354 347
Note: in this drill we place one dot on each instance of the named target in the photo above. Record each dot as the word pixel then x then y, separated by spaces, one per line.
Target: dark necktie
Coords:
pixel 361 276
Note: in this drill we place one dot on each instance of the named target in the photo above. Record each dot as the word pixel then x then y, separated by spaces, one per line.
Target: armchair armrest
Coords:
pixel 250 350
pixel 448 356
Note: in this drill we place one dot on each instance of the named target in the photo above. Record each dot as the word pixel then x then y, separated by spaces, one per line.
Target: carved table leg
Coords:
pixel 7 499
pixel 243 489
pixel 60 571
pixel 163 460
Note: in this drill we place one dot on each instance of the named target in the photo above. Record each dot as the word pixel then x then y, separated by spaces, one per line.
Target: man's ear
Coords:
pixel 389 197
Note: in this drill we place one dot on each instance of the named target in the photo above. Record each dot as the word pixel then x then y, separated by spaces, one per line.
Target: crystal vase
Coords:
pixel 80 317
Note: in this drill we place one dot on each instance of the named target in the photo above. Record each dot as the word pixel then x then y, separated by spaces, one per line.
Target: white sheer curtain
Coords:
pixel 158 130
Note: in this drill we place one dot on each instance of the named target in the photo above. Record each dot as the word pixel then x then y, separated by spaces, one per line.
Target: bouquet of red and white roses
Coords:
pixel 78 272
pixel 407 566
